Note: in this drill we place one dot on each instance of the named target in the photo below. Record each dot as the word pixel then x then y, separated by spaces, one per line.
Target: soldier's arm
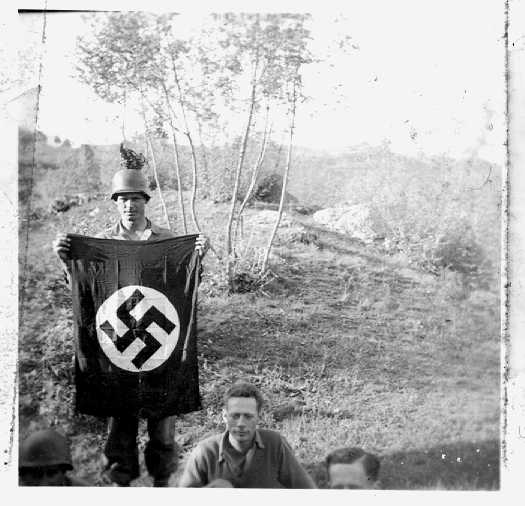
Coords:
pixel 61 247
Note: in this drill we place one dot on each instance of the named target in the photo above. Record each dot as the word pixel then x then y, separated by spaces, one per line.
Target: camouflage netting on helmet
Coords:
pixel 130 159
pixel 130 178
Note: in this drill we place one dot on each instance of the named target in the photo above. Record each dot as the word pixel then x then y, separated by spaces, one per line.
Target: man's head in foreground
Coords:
pixel 44 459
pixel 352 468
pixel 241 412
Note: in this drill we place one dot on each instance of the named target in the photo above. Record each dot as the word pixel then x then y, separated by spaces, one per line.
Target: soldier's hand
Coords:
pixel 62 246
pixel 202 244
pixel 105 478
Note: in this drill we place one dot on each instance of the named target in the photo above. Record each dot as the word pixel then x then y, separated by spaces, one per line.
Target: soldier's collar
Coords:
pixel 154 228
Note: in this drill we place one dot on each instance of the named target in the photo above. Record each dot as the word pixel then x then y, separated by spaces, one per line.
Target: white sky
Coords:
pixel 428 76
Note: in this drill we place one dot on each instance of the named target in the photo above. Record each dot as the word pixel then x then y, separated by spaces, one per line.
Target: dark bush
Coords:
pixel 269 188
pixel 306 210
pixel 306 237
pixel 246 282
pixel 61 205
pixel 458 251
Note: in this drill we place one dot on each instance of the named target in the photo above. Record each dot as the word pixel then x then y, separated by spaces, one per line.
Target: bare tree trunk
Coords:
pixel 255 173
pixel 204 153
pixel 179 181
pixel 193 154
pixel 156 176
pixel 194 184
pixel 177 160
pixel 242 152
pixel 154 163
pixel 123 127
pixel 264 266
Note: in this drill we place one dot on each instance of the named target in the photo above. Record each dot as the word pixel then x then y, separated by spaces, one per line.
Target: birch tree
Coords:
pixel 236 66
pixel 261 45
pixel 119 62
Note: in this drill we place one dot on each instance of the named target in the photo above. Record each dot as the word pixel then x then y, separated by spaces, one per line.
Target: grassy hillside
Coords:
pixel 438 209
pixel 351 345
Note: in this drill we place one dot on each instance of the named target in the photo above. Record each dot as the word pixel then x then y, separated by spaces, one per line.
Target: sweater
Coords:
pixel 270 463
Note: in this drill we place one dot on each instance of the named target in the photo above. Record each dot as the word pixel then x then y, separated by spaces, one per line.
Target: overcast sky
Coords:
pixel 427 76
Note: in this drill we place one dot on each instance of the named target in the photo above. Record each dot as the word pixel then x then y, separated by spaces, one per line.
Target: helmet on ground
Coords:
pixel 45 448
pixel 130 178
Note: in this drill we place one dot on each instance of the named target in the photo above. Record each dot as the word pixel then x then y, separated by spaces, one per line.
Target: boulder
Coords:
pixel 267 217
pixel 263 221
pixel 358 221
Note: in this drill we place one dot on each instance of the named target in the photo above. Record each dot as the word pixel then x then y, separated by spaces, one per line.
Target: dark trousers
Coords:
pixel 121 449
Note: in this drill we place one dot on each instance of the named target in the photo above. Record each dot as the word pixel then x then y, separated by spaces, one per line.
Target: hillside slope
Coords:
pixel 349 346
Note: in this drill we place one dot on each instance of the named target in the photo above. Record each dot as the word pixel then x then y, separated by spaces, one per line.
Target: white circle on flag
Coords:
pixel 137 328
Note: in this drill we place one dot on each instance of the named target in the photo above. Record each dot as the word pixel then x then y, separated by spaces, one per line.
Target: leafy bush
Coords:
pixel 306 210
pixel 298 235
pixel 269 188
pixel 245 282
pixel 458 251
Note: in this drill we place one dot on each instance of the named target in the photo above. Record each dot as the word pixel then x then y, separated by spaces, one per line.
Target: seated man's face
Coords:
pixel 351 476
pixel 241 418
pixel 45 476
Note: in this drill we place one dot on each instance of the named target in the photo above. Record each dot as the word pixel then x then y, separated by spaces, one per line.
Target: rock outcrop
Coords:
pixel 358 221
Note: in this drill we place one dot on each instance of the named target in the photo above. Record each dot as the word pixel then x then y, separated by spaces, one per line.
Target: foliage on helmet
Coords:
pixel 129 179
pixel 130 159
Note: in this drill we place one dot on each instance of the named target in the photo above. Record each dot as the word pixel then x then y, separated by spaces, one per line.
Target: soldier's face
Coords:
pixel 45 476
pixel 241 418
pixel 131 207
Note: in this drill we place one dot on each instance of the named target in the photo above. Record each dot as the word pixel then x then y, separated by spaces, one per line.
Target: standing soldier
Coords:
pixel 130 193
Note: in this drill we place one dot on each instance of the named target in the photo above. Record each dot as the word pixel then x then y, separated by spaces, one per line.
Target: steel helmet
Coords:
pixel 45 448
pixel 130 179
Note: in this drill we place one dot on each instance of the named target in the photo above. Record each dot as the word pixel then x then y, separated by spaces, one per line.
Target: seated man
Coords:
pixel 44 460
pixel 352 468
pixel 244 456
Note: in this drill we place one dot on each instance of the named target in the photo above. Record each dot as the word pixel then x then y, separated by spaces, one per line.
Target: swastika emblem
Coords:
pixel 137 328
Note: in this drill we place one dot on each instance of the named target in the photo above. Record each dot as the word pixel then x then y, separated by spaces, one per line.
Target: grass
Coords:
pixel 349 346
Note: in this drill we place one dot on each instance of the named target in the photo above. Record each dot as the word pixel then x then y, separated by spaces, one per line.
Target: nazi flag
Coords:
pixel 134 309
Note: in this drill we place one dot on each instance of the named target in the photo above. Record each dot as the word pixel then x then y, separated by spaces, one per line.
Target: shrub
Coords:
pixel 245 282
pixel 298 235
pixel 458 251
pixel 269 188
pixel 306 210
